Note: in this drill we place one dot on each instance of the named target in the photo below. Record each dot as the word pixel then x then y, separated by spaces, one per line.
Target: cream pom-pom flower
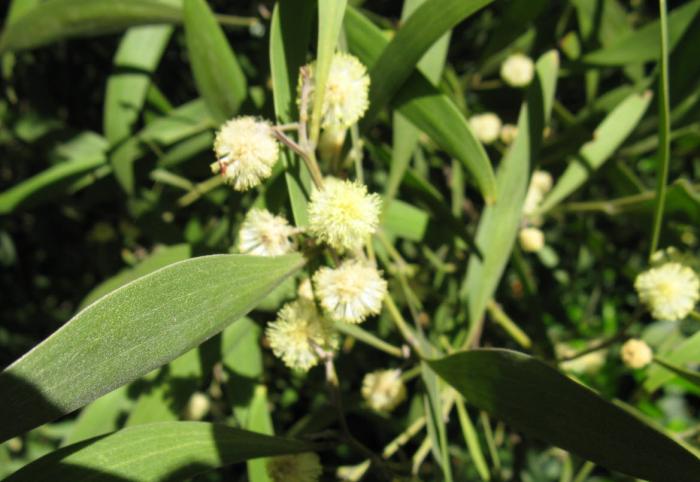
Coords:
pixel 383 390
pixel 486 127
pixel 305 467
pixel 517 70
pixel 346 98
pixel 246 150
pixel 669 291
pixel 351 292
pixel 343 214
pixel 298 333
pixel 636 353
pixel 531 239
pixel 264 234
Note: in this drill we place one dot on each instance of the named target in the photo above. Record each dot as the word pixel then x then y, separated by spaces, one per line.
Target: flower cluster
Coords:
pixel 670 291
pixel 383 390
pixel 518 70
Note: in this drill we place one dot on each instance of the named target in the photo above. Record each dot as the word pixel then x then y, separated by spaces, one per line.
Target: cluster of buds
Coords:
pixel 531 237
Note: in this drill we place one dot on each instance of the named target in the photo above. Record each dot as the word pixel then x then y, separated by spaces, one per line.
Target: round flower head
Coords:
pixel 297 333
pixel 264 234
pixel 508 133
pixel 347 91
pixel 304 467
pixel 351 292
pixel 383 390
pixel 531 239
pixel 636 353
pixel 246 150
pixel 670 291
pixel 486 127
pixel 343 214
pixel 518 70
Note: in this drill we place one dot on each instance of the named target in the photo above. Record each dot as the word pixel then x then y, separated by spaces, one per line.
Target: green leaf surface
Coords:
pixel 330 22
pixel 405 221
pixel 689 375
pixel 688 351
pixel 607 137
pixel 259 421
pixel 168 451
pixel 290 32
pixel 423 104
pixel 60 19
pixel 100 417
pixel 218 75
pixel 40 186
pixel 499 223
pixel 137 57
pixel 423 28
pixel 133 330
pixel 642 45
pixel 537 399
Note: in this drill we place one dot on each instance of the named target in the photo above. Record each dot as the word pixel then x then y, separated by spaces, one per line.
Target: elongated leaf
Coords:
pixel 691 376
pixel 540 401
pixel 609 135
pixel 423 28
pixel 133 330
pixel 425 106
pixel 687 351
pixel 643 45
pixel 100 417
pixel 499 223
pixel 36 188
pixel 219 78
pixel 405 134
pixel 330 21
pixel 61 19
pixel 137 57
pixel 259 421
pixel 290 32
pixel 167 451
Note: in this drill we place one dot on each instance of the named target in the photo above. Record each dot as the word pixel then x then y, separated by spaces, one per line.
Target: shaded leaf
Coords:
pixel 133 330
pixel 540 401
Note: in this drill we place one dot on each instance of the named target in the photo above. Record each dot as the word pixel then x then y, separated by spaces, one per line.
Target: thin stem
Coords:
pixel 236 21
pixel 504 321
pixel 402 325
pixel 307 156
pixel 199 190
pixel 584 471
pixel 664 151
pixel 369 339
pixel 490 442
pixel 604 344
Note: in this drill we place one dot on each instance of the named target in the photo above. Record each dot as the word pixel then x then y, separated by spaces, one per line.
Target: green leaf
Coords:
pixel 499 223
pixel 405 134
pixel 642 45
pixel 133 330
pixel 607 137
pixel 60 19
pixel 691 376
pixel 259 421
pixel 167 451
pixel 537 399
pixel 405 221
pixel 423 104
pixel 290 32
pixel 33 190
pixel 100 417
pixel 218 76
pixel 686 351
pixel 242 360
pixel 137 57
pixel 330 21
pixel 423 28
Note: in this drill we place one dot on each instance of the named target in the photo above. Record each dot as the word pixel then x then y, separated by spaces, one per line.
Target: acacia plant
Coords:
pixel 395 240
